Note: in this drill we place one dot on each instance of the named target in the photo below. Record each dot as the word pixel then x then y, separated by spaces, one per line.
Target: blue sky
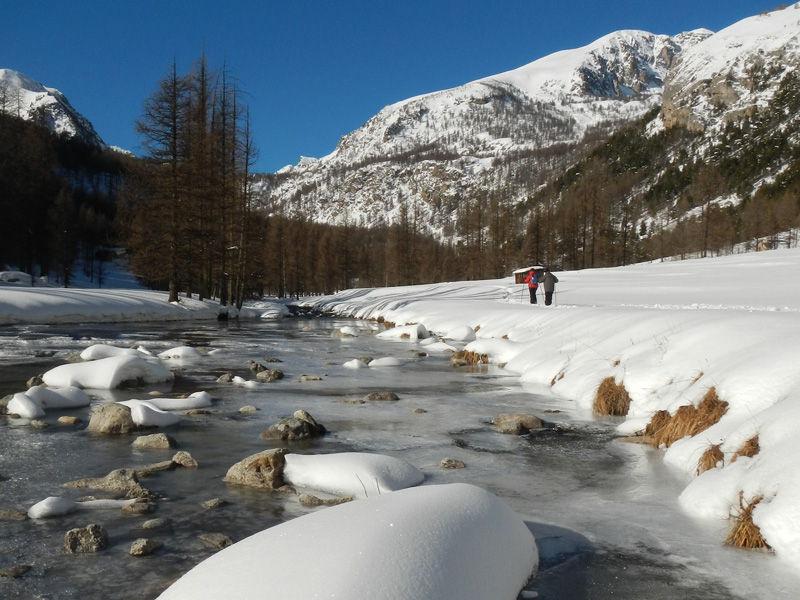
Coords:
pixel 312 70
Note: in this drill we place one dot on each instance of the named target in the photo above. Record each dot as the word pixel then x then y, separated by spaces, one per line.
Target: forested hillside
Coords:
pixel 57 198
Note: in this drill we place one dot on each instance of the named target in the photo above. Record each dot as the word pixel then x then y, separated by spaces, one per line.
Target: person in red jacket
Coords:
pixel 533 284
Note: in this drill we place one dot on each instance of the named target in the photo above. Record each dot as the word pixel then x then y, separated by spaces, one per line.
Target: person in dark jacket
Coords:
pixel 549 281
pixel 533 284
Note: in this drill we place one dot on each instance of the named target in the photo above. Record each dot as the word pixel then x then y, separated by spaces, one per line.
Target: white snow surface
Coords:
pixel 668 332
pixel 359 474
pixel 414 544
pixel 107 373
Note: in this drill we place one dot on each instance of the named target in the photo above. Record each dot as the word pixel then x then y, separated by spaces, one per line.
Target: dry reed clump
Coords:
pixel 388 324
pixel 468 357
pixel 687 420
pixel 710 458
pixel 744 533
pixel 750 448
pixel 611 398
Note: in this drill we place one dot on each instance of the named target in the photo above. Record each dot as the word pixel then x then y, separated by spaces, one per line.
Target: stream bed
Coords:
pixel 604 512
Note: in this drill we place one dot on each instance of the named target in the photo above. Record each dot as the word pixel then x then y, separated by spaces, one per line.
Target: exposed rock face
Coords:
pixel 111 418
pixel 297 427
pixel 261 470
pixel 82 540
pixel 452 463
pixel 516 424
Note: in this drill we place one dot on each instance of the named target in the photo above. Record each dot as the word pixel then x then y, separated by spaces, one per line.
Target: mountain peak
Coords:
pixel 24 97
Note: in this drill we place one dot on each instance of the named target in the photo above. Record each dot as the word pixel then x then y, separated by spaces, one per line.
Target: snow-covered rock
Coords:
pixel 443 542
pixel 108 373
pixel 145 414
pixel 405 332
pixel 358 474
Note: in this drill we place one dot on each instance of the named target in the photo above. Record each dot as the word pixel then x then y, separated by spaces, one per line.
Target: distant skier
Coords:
pixel 533 284
pixel 549 281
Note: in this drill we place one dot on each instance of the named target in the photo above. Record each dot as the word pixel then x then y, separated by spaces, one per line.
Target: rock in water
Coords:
pixel 91 538
pixel 111 418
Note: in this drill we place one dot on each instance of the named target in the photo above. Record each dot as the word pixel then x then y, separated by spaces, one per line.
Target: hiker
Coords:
pixel 533 284
pixel 549 281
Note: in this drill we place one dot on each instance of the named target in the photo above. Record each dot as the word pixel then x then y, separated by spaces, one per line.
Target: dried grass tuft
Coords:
pixel 710 458
pixel 468 357
pixel 696 378
pixel 687 420
pixel 744 533
pixel 615 363
pixel 388 324
pixel 750 448
pixel 611 398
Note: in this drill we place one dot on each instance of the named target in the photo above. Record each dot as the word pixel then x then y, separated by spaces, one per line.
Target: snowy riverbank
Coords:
pixel 666 331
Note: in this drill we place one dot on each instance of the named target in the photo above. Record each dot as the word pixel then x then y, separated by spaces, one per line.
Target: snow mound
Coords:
pixel 386 361
pixel 464 333
pixel 108 373
pixel 98 351
pixel 33 403
pixel 443 542
pixel 146 414
pixel 355 364
pixel 351 473
pixel 196 400
pixel 405 332
pixel 181 353
pixel 55 506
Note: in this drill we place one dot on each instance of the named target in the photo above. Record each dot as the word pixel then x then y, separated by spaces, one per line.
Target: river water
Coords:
pixel 604 512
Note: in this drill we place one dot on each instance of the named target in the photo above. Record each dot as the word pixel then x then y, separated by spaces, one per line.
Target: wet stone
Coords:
pixel 15 571
pixel 218 541
pixel 85 540
pixel 144 547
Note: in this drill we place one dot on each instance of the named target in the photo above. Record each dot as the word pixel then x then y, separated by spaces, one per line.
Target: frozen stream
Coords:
pixel 604 512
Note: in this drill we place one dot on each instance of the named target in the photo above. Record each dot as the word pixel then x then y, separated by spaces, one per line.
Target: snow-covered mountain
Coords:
pixel 734 72
pixel 511 133
pixel 24 97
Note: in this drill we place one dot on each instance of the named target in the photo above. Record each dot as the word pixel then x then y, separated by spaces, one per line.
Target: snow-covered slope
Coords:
pixel 733 72
pixel 429 150
pixel 24 97
pixel 510 134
